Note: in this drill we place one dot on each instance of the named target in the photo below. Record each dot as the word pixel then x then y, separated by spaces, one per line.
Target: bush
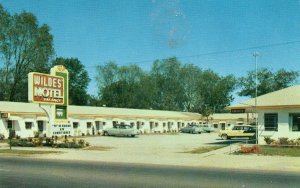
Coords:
pixel 297 142
pixel 21 143
pixel 2 137
pixel 250 149
pixel 283 141
pixel 268 140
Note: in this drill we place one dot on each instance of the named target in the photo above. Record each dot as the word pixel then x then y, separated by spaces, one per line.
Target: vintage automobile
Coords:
pixel 238 131
pixel 208 128
pixel 120 130
pixel 192 129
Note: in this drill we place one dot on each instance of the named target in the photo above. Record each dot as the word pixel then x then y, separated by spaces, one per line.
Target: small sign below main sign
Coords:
pixel 235 111
pixel 45 88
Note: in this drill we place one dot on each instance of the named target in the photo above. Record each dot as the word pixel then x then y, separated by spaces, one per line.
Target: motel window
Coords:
pixel 115 122
pixel 97 123
pixel 9 124
pixel 295 122
pixel 271 122
pixel 131 123
pixel 75 125
pixel 216 126
pixel 88 125
pixel 156 124
pixel 103 123
pixel 40 126
pixel 28 125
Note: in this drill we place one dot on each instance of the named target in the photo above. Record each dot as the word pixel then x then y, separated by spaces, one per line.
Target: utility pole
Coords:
pixel 256 54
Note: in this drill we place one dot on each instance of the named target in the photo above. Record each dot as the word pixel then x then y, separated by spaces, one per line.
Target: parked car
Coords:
pixel 192 129
pixel 238 131
pixel 208 128
pixel 120 130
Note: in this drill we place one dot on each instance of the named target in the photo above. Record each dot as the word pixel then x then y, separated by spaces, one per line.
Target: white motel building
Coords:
pixel 278 113
pixel 28 118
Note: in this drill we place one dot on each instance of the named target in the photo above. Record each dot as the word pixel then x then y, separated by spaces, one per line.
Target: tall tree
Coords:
pixel 24 47
pixel 78 80
pixel 121 86
pixel 168 90
pixel 268 81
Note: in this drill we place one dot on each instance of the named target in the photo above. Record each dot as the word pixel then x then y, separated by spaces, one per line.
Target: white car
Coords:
pixel 120 130
pixel 208 128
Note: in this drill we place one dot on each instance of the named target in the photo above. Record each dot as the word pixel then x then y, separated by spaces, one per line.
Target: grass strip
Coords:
pixel 204 149
pixel 26 152
pixel 280 151
pixel 98 148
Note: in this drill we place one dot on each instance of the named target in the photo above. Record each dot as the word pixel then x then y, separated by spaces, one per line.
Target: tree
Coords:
pixel 214 92
pixel 78 80
pixel 167 85
pixel 122 86
pixel 268 81
pixel 24 47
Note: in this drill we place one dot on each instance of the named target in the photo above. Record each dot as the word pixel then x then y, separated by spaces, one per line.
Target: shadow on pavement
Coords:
pixel 232 141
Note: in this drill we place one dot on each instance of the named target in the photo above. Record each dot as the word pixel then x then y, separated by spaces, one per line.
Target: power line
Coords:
pixel 218 52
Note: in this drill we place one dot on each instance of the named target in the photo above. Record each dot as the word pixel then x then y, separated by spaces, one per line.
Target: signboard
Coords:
pixel 45 88
pixel 61 110
pixel 4 115
pixel 52 90
pixel 235 111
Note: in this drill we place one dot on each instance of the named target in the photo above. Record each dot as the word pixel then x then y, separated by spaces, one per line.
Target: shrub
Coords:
pixel 297 142
pixel 36 134
pixel 37 141
pixel 283 141
pixel 250 149
pixel 2 137
pixel 268 140
pixel 49 142
pixel 22 143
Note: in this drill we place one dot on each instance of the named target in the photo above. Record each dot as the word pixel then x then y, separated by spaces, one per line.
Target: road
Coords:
pixel 26 172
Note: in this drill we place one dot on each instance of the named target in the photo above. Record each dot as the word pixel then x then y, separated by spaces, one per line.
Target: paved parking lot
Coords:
pixel 152 143
pixel 168 150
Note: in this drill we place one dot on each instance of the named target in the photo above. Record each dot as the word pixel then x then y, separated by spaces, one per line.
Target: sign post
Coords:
pixel 51 91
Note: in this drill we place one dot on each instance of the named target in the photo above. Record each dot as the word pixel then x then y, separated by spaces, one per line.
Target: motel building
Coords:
pixel 278 113
pixel 28 118
pixel 48 113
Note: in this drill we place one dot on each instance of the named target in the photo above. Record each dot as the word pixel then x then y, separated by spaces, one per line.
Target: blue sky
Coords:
pixel 140 31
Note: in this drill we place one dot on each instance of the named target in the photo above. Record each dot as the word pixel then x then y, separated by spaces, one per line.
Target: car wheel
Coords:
pixel 224 137
pixel 133 135
pixel 105 133
pixel 199 132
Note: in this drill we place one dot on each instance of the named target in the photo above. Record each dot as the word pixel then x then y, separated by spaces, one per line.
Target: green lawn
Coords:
pixel 281 151
pixel 98 148
pixel 204 149
pixel 25 152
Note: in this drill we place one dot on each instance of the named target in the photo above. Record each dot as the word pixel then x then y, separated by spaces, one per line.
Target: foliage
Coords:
pixel 250 149
pixel 270 150
pixel 268 81
pixel 24 47
pixel 283 141
pixel 268 139
pixel 78 80
pixel 169 85
pixel 52 142
pixel 2 137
